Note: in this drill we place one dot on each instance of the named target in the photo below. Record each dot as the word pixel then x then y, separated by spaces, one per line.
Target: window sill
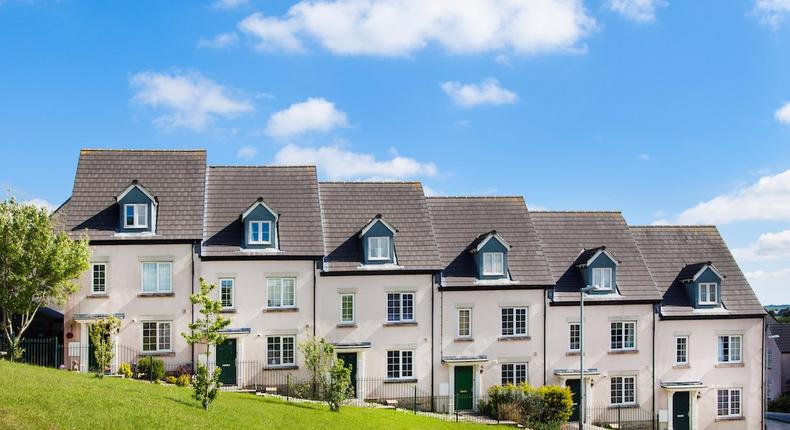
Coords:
pixel 227 311
pixel 400 324
pixel 347 325
pixel 282 367
pixel 726 365
pixel 158 354
pixel 572 353
pixel 463 339
pixel 267 310
pixel 156 295
pixel 513 338
pixel 681 366
pixel 738 418
pixel 400 381
pixel 622 351
pixel 97 296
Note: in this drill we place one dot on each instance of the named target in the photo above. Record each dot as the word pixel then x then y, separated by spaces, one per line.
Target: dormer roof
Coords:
pixel 587 256
pixel 377 219
pixel 136 184
pixel 481 240
pixel 259 202
pixel 691 272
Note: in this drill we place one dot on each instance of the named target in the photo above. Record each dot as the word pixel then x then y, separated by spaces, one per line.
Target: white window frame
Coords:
pixel 259 240
pixel 604 273
pixel 159 265
pixel 401 296
pixel 571 336
pixel 515 326
pixel 711 296
pixel 458 333
pixel 232 293
pixel 731 411
pixel 383 243
pixel 158 330
pixel 281 353
pixel 622 390
pixel 93 279
pixel 490 263
pixel 514 368
pixel 623 346
pixel 400 367
pixel 281 304
pixel 353 308
pixel 684 341
pixel 137 208
pixel 731 357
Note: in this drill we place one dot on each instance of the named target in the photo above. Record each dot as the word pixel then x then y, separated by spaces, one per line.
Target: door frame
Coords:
pixel 693 391
pixel 476 382
pixel 675 404
pixel 239 336
pixel 472 388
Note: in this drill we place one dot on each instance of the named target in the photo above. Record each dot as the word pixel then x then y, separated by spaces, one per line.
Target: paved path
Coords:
pixel 777 425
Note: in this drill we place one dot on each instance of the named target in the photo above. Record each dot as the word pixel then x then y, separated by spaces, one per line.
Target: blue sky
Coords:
pixel 670 111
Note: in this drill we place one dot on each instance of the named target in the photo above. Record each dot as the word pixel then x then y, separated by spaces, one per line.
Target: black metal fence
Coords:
pixel 46 352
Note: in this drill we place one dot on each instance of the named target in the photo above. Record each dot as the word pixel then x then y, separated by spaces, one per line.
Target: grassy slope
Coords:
pixel 33 397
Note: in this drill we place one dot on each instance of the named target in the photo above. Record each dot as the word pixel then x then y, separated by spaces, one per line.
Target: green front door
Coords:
pixel 350 360
pixel 226 360
pixel 680 411
pixel 573 384
pixel 463 388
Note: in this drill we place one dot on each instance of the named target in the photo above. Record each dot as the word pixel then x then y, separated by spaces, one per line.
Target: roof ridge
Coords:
pixel 259 166
pixel 369 182
pixel 84 150
pixel 646 226
pixel 576 212
pixel 475 197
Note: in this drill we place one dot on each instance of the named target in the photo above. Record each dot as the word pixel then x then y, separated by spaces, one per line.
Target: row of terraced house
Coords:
pixel 449 294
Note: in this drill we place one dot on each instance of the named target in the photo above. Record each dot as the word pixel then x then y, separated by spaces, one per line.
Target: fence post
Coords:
pixel 287 387
pixel 619 422
pixel 415 399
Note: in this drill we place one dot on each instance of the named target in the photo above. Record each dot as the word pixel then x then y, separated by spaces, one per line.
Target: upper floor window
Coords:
pixel 400 364
pixel 227 293
pixel 623 335
pixel 379 248
pixel 99 278
pixel 157 277
pixel 493 263
pixel 465 322
pixel 347 308
pixel 280 292
pixel 728 402
pixel 730 349
pixel 135 215
pixel 156 336
pixel 514 373
pixel 681 350
pixel 575 337
pixel 514 321
pixel 708 293
pixel 623 390
pixel 602 277
pixel 260 232
pixel 400 307
pixel 280 350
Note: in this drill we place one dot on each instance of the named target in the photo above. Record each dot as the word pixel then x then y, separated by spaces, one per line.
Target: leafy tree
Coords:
pixel 328 373
pixel 38 267
pixel 101 334
pixel 206 330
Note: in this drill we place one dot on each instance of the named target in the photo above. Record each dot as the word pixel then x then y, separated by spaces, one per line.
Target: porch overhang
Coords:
pixel 574 373
pixel 347 346
pixel 683 385
pixel 94 317
pixel 464 359
pixel 236 331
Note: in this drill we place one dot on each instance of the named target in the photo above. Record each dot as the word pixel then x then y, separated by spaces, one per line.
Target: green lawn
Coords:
pixel 34 397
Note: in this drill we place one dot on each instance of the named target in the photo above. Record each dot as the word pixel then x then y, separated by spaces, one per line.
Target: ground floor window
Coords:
pixel 623 390
pixel 400 364
pixel 729 402
pixel 280 350
pixel 514 373
pixel 156 336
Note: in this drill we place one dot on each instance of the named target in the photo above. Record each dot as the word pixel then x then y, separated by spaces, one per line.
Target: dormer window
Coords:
pixel 136 215
pixel 260 232
pixel 602 277
pixel 708 293
pixel 493 263
pixel 379 248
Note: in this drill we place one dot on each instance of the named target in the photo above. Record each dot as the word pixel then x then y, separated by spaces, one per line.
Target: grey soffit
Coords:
pixel 783 331
pixel 566 234
pixel 175 178
pixel 465 359
pixel 291 191
pixel 669 249
pixel 458 222
pixel 243 330
pixel 348 206
pixel 351 345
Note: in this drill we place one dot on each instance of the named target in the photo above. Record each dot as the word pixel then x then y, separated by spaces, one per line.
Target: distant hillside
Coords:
pixel 776 308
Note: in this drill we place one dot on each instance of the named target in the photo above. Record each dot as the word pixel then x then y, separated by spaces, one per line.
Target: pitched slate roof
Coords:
pixel 291 191
pixel 459 223
pixel 175 178
pixel 565 235
pixel 348 206
pixel 669 249
pixel 783 331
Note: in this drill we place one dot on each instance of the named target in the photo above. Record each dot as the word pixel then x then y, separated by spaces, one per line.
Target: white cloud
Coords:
pixel 637 10
pixel 190 100
pixel 229 4
pixel 768 246
pixel 313 114
pixel 41 203
pixel 772 12
pixel 403 27
pixel 783 114
pixel 768 199
pixel 338 163
pixel 222 40
pixel 247 152
pixel 644 157
pixel 488 91
pixel 502 59
pixel 770 286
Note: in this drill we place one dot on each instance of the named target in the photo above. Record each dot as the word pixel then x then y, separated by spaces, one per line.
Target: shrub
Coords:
pixel 153 368
pixel 125 369
pixel 780 404
pixel 206 385
pixel 183 380
pixel 170 380
pixel 544 408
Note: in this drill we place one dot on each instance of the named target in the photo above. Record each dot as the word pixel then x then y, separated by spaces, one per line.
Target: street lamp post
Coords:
pixel 765 358
pixel 582 385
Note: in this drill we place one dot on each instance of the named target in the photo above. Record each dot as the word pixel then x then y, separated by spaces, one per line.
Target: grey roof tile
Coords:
pixel 783 331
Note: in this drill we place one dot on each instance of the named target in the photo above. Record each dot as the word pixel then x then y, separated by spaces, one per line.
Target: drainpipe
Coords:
pixel 433 340
pixel 763 395
pixel 315 265
pixel 653 367
pixel 545 321
pixel 192 314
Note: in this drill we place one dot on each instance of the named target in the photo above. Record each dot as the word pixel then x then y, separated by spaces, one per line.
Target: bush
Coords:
pixel 153 368
pixel 780 404
pixel 183 380
pixel 206 385
pixel 125 369
pixel 170 380
pixel 544 408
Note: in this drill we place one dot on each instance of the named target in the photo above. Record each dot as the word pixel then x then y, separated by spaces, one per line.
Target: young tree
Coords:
pixel 327 372
pixel 206 331
pixel 38 267
pixel 101 333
